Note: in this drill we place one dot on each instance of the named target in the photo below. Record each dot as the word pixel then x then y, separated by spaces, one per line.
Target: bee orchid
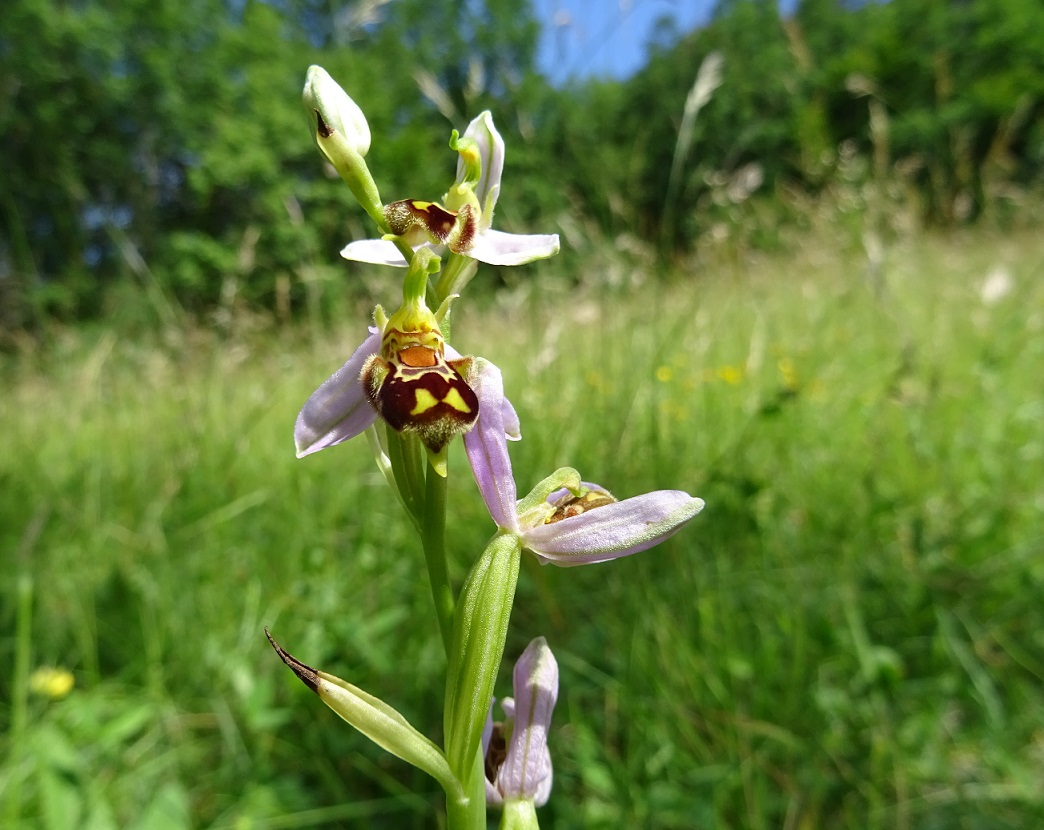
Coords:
pixel 563 521
pixel 403 372
pixel 462 223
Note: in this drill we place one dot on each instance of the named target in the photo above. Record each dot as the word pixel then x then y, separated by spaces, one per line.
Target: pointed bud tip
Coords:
pixel 307 675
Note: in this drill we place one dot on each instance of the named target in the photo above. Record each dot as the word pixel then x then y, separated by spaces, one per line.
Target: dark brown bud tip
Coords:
pixel 324 129
pixel 308 675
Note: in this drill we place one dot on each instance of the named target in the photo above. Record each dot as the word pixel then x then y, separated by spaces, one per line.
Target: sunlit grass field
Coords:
pixel 850 635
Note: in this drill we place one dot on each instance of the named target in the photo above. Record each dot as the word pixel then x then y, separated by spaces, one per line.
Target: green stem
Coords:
pixel 455 275
pixel 405 481
pixel 415 459
pixel 469 813
pixel 404 247
pixel 433 537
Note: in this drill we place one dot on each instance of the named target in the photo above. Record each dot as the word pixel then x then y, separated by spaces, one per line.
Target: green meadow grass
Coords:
pixel 850 635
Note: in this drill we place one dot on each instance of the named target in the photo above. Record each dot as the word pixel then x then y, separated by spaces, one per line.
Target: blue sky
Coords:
pixel 606 38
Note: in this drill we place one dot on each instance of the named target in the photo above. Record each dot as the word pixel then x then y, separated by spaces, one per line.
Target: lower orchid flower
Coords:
pixel 517 760
pixel 563 521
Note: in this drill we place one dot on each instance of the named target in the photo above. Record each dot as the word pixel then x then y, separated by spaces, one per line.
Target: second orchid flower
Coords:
pixel 563 521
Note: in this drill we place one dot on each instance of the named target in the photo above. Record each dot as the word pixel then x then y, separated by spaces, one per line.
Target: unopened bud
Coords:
pixel 335 110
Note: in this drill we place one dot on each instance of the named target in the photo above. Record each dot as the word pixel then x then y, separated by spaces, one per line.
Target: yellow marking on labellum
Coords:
pixel 454 399
pixel 423 400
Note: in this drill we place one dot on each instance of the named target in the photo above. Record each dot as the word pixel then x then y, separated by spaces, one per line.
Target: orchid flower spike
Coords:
pixel 563 521
pixel 462 224
pixel 518 763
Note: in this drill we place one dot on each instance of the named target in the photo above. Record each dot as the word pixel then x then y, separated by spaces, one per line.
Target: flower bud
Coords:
pixel 343 136
pixel 335 110
pixel 517 760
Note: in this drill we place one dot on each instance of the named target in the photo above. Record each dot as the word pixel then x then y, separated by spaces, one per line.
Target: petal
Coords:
pixel 562 492
pixel 374 251
pixel 486 445
pixel 536 508
pixel 451 353
pixel 543 790
pixel 339 409
pixel 512 427
pixel 493 796
pixel 614 530
pixel 499 248
pixel 528 762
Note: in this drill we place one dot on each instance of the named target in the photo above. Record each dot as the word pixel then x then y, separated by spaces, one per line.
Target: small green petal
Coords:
pixel 533 510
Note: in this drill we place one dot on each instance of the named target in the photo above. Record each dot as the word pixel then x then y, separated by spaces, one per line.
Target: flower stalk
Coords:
pixel 433 540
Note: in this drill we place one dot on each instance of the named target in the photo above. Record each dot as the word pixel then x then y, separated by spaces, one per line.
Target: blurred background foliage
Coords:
pixel 817 304
pixel 162 143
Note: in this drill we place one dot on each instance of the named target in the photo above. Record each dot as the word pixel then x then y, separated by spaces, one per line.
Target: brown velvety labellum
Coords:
pixel 435 404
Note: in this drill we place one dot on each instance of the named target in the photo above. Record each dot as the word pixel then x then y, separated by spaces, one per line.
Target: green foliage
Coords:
pixel 848 635
pixel 944 97
pixel 163 144
pixel 166 142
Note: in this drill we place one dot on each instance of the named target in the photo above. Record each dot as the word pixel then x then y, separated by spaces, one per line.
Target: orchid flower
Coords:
pixel 340 409
pixel 563 521
pixel 463 223
pixel 403 371
pixel 410 381
pixel 518 763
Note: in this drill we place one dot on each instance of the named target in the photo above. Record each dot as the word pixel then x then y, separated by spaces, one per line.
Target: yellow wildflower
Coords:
pixel 54 683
